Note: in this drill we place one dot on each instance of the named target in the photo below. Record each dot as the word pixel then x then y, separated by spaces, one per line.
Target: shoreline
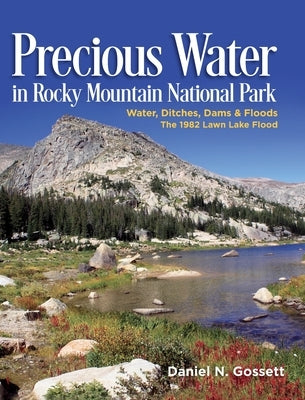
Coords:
pixel 168 247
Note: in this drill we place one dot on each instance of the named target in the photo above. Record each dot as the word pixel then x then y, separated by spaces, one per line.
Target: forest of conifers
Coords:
pixel 104 218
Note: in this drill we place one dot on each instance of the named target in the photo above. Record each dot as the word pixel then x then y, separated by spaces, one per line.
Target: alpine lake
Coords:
pixel 221 296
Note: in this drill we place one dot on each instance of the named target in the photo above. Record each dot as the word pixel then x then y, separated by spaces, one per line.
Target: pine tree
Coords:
pixel 5 220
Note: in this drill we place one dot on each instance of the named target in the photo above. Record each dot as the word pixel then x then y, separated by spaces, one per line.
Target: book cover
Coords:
pixel 130 133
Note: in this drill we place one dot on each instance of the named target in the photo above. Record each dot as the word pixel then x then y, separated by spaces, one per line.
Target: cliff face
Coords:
pixel 10 153
pixel 290 194
pixel 89 159
pixel 78 150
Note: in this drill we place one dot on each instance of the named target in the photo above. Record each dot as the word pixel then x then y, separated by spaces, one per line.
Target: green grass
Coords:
pixel 27 268
pixel 294 288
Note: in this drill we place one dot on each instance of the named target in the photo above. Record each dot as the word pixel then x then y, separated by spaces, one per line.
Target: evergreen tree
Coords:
pixel 19 211
pixel 5 219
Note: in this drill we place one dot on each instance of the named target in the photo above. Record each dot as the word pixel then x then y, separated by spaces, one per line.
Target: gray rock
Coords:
pixel 263 295
pixel 231 253
pixel 141 269
pixel 11 345
pixel 158 302
pixel 250 319
pixel 32 315
pixel 277 299
pixel 5 281
pixel 143 235
pixel 103 258
pixel 289 303
pixel 54 237
pixel 127 267
pixel 268 345
pixel 151 311
pixel 93 295
pixel 108 376
pixel 6 303
pixel 42 242
pixel 85 268
pixel 53 307
pixel 130 259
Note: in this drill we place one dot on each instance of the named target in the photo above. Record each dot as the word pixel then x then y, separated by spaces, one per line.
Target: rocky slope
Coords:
pixel 10 153
pixel 79 154
pixel 89 159
pixel 290 194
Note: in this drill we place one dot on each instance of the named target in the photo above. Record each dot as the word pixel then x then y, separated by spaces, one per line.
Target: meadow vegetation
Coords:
pixel 294 288
pixel 124 336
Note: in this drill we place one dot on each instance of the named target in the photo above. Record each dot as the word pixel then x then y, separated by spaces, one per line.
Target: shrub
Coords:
pixel 154 388
pixel 116 346
pixel 164 352
pixel 157 186
pixel 27 302
pixel 85 391
pixel 167 352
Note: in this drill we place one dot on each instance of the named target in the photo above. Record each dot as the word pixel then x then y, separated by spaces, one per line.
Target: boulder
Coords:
pixel 6 303
pixel 263 295
pixel 108 376
pixel 141 269
pixel 283 279
pixel 268 345
pixel 127 267
pixel 4 281
pixel 277 299
pixel 54 237
pixel 129 259
pixel 231 253
pixel 78 347
pixel 250 319
pixel 85 268
pixel 103 258
pixel 53 307
pixel 32 315
pixel 42 242
pixel 93 295
pixel 158 302
pixel 11 345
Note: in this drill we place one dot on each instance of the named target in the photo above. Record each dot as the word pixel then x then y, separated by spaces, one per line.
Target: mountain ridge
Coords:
pixel 83 140
pixel 83 158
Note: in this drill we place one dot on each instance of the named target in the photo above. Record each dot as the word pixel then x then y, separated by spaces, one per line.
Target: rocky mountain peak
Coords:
pixel 89 159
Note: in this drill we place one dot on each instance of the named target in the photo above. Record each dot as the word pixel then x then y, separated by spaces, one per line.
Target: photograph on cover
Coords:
pixel 152 201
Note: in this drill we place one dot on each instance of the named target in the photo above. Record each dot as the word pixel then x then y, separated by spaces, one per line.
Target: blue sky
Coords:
pixel 273 153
